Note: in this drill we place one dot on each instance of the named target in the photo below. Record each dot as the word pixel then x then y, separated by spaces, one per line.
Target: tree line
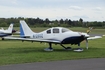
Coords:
pixel 37 22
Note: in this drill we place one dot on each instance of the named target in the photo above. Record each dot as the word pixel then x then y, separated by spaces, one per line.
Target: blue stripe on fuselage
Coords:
pixel 73 40
pixel 3 35
pixel 21 31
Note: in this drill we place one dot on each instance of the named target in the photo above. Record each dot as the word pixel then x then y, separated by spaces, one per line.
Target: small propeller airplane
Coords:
pixel 6 32
pixel 54 35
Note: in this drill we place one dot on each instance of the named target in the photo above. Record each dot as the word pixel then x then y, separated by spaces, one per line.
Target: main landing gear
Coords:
pixel 66 48
pixel 2 38
pixel 49 48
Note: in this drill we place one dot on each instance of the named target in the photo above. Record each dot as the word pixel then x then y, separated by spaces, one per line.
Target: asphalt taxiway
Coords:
pixel 82 64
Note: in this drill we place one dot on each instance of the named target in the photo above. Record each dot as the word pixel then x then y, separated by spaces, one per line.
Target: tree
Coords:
pixel 4 24
pixel 41 23
pixel 47 21
pixel 81 21
pixel 61 21
pixel 69 22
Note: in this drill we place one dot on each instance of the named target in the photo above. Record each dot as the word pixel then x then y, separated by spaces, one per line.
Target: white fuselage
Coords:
pixel 4 33
pixel 59 35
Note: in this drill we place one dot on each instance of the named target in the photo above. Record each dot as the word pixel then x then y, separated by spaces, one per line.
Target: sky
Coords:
pixel 88 10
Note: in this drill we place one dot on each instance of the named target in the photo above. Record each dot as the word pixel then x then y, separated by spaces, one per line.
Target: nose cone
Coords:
pixel 85 35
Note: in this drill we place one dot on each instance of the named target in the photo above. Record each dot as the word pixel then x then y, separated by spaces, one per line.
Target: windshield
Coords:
pixel 65 30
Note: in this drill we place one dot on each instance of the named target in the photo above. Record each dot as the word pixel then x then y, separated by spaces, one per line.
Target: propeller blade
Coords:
pixel 86 43
pixel 89 30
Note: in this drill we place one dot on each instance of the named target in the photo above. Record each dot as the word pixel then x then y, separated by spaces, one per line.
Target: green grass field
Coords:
pixel 16 52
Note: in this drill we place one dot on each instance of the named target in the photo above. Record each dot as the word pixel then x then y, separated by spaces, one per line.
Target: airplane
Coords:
pixel 6 32
pixel 54 35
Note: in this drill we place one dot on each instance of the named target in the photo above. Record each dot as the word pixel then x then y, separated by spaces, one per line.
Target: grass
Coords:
pixel 15 52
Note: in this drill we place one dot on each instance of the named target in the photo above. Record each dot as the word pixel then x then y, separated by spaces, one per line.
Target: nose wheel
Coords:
pixel 78 49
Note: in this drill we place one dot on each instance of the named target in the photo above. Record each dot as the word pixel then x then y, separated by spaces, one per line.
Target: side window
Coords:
pixel 63 30
pixel 55 30
pixel 48 31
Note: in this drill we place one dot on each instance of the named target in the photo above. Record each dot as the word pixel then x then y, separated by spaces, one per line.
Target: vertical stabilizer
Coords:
pixel 10 28
pixel 25 30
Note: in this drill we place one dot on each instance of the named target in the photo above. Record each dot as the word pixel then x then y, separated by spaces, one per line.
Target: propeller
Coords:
pixel 89 30
pixel 86 43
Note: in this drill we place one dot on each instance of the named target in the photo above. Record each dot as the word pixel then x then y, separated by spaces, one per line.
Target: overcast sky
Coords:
pixel 88 10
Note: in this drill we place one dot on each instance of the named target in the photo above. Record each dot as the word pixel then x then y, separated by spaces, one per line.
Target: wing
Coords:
pixel 95 37
pixel 32 39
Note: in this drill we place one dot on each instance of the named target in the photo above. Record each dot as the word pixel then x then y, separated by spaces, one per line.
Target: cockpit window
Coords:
pixel 65 30
pixel 48 31
pixel 55 30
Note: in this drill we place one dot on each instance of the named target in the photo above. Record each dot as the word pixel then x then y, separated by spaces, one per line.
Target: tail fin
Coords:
pixel 25 31
pixel 9 30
